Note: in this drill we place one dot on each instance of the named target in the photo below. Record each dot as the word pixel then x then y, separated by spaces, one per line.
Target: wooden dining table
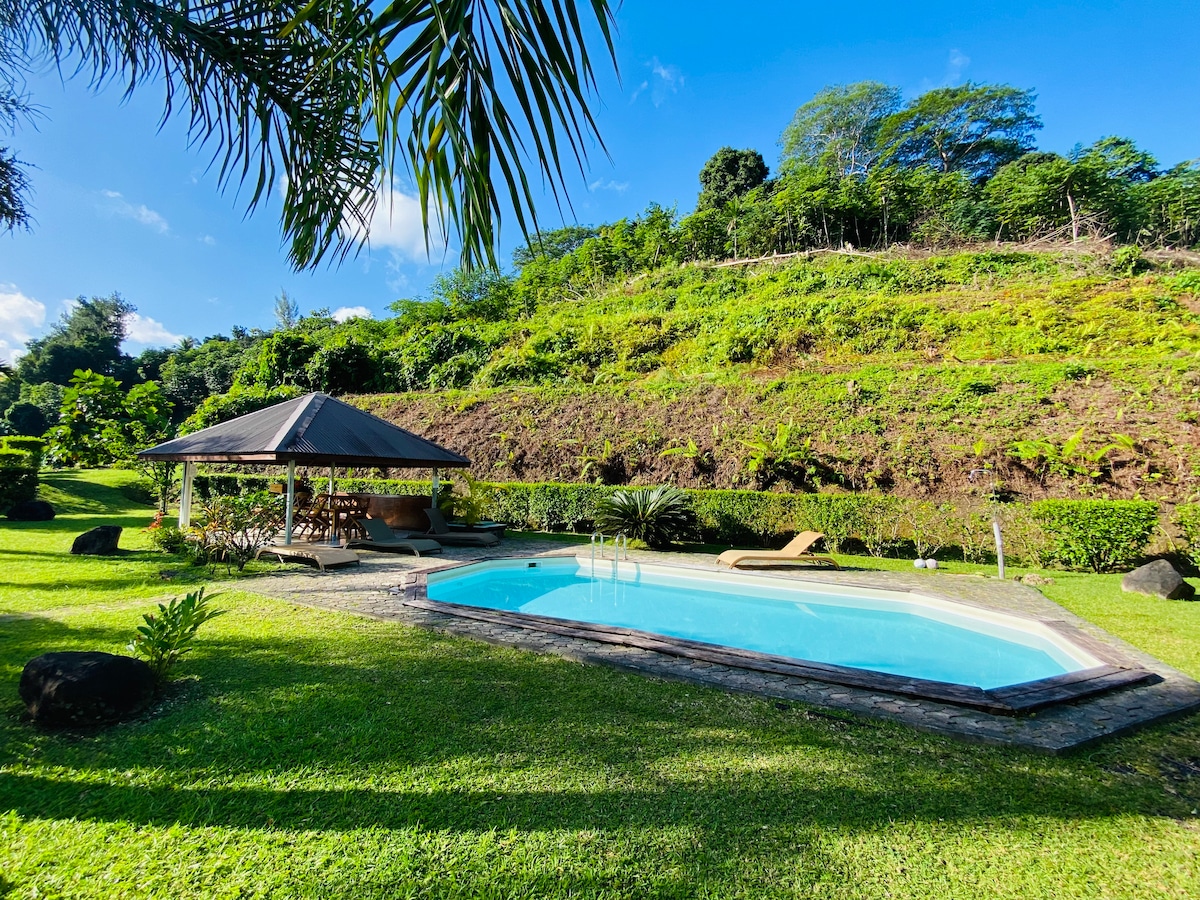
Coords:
pixel 344 511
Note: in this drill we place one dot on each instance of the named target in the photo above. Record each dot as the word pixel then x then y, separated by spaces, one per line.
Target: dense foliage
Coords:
pixel 1097 535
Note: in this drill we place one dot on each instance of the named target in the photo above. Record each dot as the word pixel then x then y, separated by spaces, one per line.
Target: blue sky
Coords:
pixel 121 205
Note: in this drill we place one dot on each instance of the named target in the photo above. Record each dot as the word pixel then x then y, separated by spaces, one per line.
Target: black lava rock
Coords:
pixel 100 541
pixel 85 688
pixel 1159 579
pixel 31 511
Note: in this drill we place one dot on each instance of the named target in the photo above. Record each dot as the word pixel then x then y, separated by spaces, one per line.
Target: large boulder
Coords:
pixel 1158 579
pixel 85 688
pixel 31 511
pixel 100 541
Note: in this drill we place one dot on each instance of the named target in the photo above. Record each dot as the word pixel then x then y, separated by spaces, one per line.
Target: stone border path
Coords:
pixel 380 585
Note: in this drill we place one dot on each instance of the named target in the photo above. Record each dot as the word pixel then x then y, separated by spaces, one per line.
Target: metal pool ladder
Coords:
pixel 620 544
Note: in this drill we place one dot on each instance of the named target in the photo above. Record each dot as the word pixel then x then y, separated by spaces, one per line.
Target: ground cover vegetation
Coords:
pixel 302 753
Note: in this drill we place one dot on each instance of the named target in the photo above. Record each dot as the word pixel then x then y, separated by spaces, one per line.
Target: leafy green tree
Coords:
pixel 1043 192
pixel 338 95
pixel 87 337
pixel 287 311
pixel 552 245
pixel 730 174
pixel 1170 207
pixel 838 129
pixel 99 423
pixel 973 128
pixel 1120 159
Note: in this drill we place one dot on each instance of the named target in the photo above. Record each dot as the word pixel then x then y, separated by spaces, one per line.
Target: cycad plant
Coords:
pixel 658 516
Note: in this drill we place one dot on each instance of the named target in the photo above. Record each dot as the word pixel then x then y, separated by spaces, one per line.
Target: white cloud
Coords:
pixel 956 65
pixel 20 316
pixel 601 185
pixel 342 313
pixel 664 81
pixel 116 204
pixel 208 240
pixel 141 329
pixel 396 225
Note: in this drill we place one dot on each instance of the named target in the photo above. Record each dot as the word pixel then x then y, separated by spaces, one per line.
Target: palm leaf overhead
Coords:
pixel 327 99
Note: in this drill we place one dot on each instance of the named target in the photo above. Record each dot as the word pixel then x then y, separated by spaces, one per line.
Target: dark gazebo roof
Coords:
pixel 312 430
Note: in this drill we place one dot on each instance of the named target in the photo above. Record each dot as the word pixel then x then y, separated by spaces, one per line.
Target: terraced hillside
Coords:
pixel 1051 372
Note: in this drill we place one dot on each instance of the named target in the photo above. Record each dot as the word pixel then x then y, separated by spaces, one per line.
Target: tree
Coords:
pixel 287 311
pixel 838 129
pixel 100 423
pixel 1042 192
pixel 87 337
pixel 730 174
pixel 340 96
pixel 973 128
pixel 1120 159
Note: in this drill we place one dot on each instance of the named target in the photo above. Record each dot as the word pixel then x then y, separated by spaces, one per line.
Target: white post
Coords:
pixel 185 495
pixel 333 514
pixel 433 492
pixel 291 501
pixel 999 545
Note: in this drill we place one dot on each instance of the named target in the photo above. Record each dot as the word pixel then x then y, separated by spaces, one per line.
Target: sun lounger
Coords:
pixel 380 537
pixel 439 529
pixel 795 553
pixel 323 556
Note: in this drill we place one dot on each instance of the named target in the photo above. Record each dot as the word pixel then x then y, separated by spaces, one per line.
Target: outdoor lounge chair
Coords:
pixel 445 535
pixel 381 537
pixel 796 552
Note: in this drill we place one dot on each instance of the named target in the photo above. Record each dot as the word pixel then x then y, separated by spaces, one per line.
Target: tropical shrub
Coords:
pixel 659 516
pixel 1100 535
pixel 165 636
pixel 233 529
pixel 1187 517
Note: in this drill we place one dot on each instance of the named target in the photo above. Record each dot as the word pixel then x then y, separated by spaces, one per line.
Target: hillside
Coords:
pixel 901 374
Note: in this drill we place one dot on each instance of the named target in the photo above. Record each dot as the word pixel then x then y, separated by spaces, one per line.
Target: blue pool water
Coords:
pixel 878 630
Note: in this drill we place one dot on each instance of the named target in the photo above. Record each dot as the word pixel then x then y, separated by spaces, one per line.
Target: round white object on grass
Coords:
pixel 918 563
pixel 931 564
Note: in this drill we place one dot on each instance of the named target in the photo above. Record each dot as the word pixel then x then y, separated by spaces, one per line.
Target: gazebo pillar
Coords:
pixel 433 489
pixel 291 501
pixel 185 495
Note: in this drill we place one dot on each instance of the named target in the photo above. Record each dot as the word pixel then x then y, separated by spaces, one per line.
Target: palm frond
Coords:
pixel 248 90
pixel 333 97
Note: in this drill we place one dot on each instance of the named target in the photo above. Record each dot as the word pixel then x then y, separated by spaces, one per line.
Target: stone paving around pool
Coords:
pixel 380 586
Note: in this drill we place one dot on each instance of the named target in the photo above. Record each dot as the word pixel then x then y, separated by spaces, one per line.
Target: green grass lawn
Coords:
pixel 312 754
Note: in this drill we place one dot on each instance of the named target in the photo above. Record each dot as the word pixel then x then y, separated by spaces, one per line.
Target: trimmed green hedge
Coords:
pixel 18 479
pixel 1096 535
pixel 1100 535
pixel 33 447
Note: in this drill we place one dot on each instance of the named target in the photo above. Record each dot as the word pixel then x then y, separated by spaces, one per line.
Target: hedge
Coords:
pixel 18 479
pixel 1078 534
pixel 1100 535
pixel 1187 517
pixel 33 447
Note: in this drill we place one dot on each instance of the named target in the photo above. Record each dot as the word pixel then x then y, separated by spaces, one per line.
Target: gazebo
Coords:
pixel 313 430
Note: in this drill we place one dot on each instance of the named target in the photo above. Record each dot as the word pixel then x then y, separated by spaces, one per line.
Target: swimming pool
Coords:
pixel 898 635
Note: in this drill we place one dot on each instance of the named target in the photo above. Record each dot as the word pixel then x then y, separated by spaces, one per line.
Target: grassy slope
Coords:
pixel 894 369
pixel 311 754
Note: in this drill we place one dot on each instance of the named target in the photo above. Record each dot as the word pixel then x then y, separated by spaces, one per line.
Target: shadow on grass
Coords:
pixel 457 736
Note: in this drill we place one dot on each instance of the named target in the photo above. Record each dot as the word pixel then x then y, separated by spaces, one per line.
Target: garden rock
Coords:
pixel 85 688
pixel 1158 579
pixel 32 511
pixel 100 541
